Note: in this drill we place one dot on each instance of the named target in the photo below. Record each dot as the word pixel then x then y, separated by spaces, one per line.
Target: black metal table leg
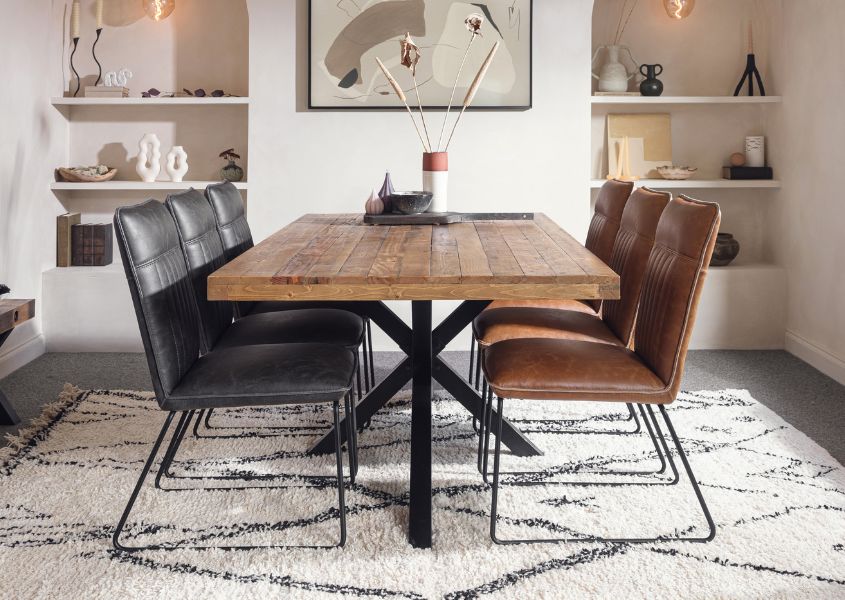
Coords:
pixel 419 517
pixel 419 514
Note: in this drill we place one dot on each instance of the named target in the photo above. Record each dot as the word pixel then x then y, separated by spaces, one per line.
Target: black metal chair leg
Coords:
pixel 350 436
pixel 372 356
pixel 173 447
pixel 200 415
pixel 478 368
pixel 366 363
pixel 654 440
pixel 183 426
pixel 123 518
pixel 341 500
pixel 494 504
pixel 471 359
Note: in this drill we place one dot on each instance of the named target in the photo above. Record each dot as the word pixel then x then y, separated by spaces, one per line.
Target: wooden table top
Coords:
pixel 14 312
pixel 338 257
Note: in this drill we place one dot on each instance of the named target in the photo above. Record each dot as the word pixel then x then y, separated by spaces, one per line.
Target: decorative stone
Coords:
pixel 149 158
pixel 177 163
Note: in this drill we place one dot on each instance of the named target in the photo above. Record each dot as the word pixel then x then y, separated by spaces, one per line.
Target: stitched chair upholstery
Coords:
pixel 651 372
pixel 163 296
pixel 204 254
pixel 628 258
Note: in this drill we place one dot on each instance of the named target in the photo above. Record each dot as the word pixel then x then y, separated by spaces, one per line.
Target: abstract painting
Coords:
pixel 646 139
pixel 346 36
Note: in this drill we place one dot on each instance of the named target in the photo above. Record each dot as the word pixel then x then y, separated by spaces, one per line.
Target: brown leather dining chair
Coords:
pixel 615 325
pixel 601 236
pixel 649 374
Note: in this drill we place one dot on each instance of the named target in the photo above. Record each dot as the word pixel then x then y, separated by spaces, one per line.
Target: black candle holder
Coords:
pixel 72 68
pixel 94 54
pixel 751 73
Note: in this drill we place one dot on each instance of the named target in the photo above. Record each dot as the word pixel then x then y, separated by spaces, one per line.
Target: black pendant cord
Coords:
pixel 94 54
pixel 72 68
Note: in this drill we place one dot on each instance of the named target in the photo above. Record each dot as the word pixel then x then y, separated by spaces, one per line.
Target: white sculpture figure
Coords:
pixel 119 78
pixel 149 158
pixel 177 171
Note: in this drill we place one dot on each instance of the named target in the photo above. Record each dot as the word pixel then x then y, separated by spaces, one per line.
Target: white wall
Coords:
pixel 305 161
pixel 809 225
pixel 32 139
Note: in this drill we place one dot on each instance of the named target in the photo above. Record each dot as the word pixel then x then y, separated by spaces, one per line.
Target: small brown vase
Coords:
pixel 726 250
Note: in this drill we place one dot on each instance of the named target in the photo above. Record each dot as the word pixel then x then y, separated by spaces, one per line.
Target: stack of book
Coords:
pixel 103 91
pixel 83 244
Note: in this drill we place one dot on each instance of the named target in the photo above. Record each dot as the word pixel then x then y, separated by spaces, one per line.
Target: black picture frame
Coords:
pixel 503 108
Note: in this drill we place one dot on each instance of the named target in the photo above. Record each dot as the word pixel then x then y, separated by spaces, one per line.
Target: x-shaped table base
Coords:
pixel 423 344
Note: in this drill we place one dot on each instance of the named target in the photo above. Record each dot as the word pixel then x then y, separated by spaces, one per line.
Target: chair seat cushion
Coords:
pixel 548 369
pixel 576 305
pixel 493 326
pixel 264 375
pixel 317 325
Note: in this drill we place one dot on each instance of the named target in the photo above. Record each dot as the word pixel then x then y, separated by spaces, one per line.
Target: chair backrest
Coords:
pixel 161 292
pixel 203 253
pixel 228 207
pixel 606 220
pixel 630 256
pixel 672 286
pixel 607 217
pixel 229 213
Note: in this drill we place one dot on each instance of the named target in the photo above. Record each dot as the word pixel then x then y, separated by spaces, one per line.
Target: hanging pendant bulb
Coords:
pixel 678 9
pixel 158 10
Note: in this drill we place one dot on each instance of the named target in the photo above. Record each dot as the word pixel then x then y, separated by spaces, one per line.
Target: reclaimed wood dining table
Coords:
pixel 337 258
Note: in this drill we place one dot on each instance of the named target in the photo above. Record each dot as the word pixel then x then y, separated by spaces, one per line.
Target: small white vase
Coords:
pixel 613 76
pixel 177 163
pixel 436 180
pixel 755 151
pixel 149 158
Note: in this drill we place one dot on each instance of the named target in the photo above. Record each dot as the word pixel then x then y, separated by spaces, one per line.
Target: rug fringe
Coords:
pixel 15 441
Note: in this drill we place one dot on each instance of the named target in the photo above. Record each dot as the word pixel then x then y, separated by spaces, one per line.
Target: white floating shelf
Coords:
pixel 699 184
pixel 647 100
pixel 116 186
pixel 182 101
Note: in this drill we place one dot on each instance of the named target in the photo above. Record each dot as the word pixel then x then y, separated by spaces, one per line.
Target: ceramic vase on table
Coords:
pixel 613 76
pixel 149 158
pixel 177 163
pixel 436 180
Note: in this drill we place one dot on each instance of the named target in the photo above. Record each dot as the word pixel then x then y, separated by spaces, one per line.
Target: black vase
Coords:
pixel 725 251
pixel 652 86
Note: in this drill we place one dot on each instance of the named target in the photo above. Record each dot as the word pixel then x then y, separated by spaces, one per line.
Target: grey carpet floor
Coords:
pixel 807 399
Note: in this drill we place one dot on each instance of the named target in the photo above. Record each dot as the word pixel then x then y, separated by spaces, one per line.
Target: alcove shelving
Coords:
pixel 702 58
pixel 202 44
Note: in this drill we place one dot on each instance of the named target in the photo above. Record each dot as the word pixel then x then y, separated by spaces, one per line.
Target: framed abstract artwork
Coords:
pixel 346 36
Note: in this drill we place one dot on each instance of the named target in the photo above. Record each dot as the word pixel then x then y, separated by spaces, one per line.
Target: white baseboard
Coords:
pixel 22 354
pixel 821 359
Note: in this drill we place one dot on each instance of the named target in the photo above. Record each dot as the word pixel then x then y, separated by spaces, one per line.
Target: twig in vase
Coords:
pixel 473 23
pixel 473 89
pixel 410 56
pixel 401 95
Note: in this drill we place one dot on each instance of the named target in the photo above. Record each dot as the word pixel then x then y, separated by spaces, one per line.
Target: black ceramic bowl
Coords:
pixel 410 203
